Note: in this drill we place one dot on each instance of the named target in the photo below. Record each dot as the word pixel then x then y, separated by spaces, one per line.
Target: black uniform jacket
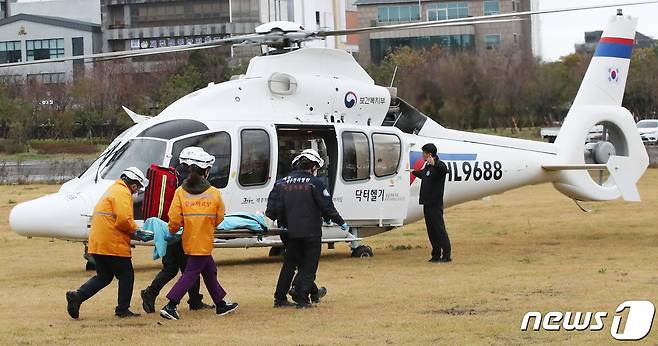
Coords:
pixel 299 202
pixel 433 182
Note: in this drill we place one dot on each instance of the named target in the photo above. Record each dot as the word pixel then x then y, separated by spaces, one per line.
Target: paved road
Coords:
pixel 41 171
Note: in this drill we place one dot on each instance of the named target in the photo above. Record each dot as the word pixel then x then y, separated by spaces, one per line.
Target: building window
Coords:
pixel 387 154
pixel 447 10
pixel 356 156
pixel 10 79
pixel 10 51
pixel 492 41
pixel 404 13
pixel 380 48
pixel 45 49
pixel 516 6
pixel 182 12
pixel 254 158
pixel 47 78
pixel 491 7
pixel 245 10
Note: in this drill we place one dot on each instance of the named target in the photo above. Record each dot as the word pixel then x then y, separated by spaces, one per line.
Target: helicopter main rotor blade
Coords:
pixel 278 37
pixel 394 27
pixel 144 52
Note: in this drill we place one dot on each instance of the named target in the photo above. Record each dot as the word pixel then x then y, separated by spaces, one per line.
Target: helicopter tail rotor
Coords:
pixel 618 151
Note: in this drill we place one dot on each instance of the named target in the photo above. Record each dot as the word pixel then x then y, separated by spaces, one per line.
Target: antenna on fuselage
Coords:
pixel 393 78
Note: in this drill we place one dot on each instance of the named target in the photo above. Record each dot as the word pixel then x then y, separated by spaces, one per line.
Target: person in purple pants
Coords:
pixel 198 207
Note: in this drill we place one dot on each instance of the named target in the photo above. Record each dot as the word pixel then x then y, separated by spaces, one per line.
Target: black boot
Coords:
pixel 201 306
pixel 315 297
pixel 148 301
pixel 282 303
pixel 73 303
pixel 196 303
pixel 127 313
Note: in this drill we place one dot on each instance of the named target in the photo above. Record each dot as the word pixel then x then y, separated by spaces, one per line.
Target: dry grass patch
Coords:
pixel 529 249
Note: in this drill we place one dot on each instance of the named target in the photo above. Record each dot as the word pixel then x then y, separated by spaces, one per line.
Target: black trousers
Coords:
pixel 436 231
pixel 302 254
pixel 107 268
pixel 173 262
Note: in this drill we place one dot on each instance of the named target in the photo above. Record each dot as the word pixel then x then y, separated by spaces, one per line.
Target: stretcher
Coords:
pixel 246 238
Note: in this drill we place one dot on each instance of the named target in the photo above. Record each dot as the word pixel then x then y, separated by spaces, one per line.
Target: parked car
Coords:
pixel 549 134
pixel 648 129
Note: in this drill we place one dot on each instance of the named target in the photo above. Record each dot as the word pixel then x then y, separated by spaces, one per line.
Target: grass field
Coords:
pixel 527 250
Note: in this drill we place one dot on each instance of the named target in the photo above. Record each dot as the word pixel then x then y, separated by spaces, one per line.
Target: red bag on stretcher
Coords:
pixel 163 182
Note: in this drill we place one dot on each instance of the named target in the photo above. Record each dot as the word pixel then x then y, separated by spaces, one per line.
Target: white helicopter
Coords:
pixel 322 99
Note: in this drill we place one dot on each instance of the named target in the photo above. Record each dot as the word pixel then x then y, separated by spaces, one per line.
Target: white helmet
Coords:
pixel 310 154
pixel 134 173
pixel 196 156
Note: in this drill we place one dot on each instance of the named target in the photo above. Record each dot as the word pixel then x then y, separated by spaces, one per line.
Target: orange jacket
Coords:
pixel 200 214
pixel 112 223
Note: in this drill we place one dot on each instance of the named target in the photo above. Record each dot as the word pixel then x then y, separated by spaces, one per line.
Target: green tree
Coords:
pixel 179 85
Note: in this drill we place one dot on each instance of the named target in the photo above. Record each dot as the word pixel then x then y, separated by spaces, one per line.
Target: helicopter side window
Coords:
pixel 139 152
pixel 174 128
pixel 216 144
pixel 254 158
pixel 356 156
pixel 387 154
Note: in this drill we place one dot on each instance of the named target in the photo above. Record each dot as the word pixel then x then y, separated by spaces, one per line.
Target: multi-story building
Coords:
pixel 592 40
pixel 29 37
pixel 129 24
pixel 350 43
pixel 375 46
pixel 115 25
pixel 88 11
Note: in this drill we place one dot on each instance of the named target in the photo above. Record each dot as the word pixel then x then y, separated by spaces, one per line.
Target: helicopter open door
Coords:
pixel 373 188
pixel 293 139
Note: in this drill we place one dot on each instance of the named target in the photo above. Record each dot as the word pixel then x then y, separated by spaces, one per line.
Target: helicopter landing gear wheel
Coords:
pixel 362 251
pixel 277 251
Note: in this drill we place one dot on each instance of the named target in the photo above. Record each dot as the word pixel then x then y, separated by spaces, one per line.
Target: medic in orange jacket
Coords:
pixel 112 223
pixel 202 213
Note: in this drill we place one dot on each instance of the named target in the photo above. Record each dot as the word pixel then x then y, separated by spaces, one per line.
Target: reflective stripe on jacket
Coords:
pixel 199 215
pixel 112 223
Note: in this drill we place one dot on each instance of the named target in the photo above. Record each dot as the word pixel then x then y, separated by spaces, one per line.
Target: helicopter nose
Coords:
pixel 59 215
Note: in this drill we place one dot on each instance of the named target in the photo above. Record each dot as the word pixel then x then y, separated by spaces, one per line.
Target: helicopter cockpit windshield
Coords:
pixel 149 147
pixel 139 152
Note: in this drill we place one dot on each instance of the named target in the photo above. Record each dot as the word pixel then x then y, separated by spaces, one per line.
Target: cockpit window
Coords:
pixel 174 128
pixel 139 152
pixel 216 144
pixel 410 120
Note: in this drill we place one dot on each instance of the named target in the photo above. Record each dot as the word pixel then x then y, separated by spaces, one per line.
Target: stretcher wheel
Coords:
pixel 362 251
pixel 276 251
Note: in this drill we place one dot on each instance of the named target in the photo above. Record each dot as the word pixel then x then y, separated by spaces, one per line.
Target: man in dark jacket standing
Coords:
pixel 433 176
pixel 299 202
